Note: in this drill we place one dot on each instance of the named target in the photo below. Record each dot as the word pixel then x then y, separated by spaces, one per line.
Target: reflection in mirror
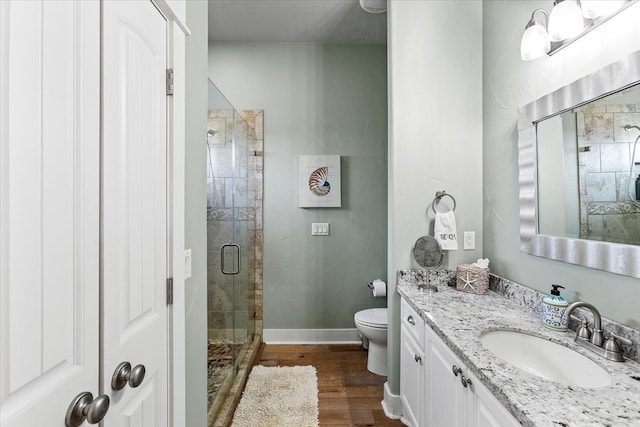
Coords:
pixel 578 169
pixel 427 252
pixel 588 162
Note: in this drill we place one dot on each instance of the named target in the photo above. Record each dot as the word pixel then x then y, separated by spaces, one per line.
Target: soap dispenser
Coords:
pixel 553 309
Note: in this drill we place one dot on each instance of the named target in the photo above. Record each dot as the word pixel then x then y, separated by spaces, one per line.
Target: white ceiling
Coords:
pixel 321 21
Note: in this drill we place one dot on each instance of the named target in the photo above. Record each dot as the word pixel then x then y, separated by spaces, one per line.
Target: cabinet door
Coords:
pixel 49 208
pixel 411 379
pixel 485 410
pixel 445 404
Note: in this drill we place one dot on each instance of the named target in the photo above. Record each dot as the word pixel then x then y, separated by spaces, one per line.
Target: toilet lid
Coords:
pixel 373 317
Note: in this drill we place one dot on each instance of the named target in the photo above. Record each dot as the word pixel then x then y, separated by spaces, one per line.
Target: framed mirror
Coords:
pixel 577 168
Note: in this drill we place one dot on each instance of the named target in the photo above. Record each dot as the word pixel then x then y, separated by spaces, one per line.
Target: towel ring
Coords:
pixel 440 195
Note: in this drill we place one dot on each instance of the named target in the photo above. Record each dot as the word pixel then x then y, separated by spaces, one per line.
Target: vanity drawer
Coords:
pixel 412 321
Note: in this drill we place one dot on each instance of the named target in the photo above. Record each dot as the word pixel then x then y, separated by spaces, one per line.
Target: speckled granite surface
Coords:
pixel 460 318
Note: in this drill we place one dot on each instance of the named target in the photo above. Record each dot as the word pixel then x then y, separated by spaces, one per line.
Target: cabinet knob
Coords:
pixel 418 359
pixel 466 382
pixel 456 370
pixel 410 320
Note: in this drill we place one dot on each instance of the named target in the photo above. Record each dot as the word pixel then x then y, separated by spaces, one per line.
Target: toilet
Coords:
pixel 372 327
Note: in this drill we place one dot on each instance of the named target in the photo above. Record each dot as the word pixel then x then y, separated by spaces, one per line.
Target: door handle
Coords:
pixel 237 248
pixel 85 407
pixel 124 374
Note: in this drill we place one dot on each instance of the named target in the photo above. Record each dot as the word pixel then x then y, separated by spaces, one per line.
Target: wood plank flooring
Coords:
pixel 348 394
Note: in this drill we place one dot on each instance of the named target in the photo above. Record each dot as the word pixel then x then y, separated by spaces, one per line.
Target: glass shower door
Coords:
pixel 231 242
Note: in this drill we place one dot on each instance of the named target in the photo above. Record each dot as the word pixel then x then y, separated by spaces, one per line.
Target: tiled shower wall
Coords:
pixel 605 210
pixel 246 305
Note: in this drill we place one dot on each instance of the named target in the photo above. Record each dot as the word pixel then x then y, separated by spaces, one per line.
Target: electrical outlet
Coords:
pixel 469 240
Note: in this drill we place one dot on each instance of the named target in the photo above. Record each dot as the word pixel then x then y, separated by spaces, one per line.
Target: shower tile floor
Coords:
pixel 220 366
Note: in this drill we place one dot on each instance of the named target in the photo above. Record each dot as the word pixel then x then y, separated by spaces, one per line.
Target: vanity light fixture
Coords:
pixel 592 9
pixel 568 21
pixel 565 20
pixel 535 40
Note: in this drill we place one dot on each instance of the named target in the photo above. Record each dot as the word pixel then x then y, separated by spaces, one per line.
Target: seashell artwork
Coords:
pixel 318 183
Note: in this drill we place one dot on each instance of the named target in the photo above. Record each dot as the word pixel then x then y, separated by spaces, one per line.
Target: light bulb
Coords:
pixel 535 43
pixel 565 20
pixel 592 9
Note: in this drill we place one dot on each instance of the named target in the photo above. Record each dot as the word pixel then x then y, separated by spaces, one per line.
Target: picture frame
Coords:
pixel 319 183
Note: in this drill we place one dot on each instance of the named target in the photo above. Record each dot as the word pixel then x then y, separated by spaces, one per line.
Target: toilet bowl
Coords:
pixel 372 326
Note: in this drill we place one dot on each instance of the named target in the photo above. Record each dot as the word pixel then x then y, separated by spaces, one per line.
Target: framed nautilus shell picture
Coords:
pixel 319 182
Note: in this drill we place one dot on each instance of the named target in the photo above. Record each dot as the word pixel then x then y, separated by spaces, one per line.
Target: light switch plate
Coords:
pixel 187 263
pixel 320 229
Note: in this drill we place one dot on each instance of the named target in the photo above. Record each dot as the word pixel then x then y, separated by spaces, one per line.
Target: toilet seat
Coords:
pixel 373 318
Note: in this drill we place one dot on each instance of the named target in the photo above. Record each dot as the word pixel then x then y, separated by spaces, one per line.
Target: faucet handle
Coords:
pixel 612 349
pixel 611 344
pixel 583 331
pixel 613 336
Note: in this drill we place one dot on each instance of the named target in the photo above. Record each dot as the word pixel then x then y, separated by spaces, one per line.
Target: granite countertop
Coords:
pixel 460 318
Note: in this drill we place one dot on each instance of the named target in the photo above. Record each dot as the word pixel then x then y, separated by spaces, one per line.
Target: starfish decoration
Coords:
pixel 468 283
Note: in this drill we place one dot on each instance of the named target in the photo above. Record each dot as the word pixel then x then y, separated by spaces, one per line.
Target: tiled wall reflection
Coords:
pixel 606 213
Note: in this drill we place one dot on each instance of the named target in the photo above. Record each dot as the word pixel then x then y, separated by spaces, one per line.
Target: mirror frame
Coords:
pixel 613 257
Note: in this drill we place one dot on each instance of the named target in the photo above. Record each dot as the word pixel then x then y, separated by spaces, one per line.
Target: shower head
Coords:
pixel 629 127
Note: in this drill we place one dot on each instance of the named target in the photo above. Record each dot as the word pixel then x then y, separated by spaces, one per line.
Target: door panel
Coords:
pixel 134 224
pixel 49 208
pixel 141 409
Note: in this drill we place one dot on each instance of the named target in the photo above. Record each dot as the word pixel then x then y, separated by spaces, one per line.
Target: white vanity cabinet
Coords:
pixel 454 396
pixel 412 365
pixel 433 379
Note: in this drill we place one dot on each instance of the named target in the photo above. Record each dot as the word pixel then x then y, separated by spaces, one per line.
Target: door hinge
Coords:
pixel 170 291
pixel 170 81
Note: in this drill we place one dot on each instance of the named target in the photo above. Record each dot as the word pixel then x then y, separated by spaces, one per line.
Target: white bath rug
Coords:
pixel 279 396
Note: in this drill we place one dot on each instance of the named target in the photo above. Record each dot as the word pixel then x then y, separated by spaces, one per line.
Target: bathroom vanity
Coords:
pixel 437 388
pixel 449 378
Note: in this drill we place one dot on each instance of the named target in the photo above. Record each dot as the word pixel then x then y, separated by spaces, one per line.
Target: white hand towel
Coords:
pixel 444 230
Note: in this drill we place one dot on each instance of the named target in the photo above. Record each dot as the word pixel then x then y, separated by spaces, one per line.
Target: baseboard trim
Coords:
pixel 391 404
pixel 311 336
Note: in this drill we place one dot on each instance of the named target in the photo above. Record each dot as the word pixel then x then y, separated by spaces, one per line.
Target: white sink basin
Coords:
pixel 545 359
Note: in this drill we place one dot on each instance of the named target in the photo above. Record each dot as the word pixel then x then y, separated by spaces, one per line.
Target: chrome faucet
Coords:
pixel 594 340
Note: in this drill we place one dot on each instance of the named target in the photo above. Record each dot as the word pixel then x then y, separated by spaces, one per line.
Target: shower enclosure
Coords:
pixel 234 248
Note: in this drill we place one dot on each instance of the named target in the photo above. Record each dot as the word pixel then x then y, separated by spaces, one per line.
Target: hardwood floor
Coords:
pixel 348 394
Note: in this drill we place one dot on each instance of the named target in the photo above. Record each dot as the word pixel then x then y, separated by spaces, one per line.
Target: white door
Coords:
pixel 49 208
pixel 134 210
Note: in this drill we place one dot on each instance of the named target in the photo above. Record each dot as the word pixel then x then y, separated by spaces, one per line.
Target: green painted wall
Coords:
pixel 317 99
pixel 195 214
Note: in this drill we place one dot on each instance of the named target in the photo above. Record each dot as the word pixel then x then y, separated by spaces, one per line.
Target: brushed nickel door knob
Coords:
pixel 124 374
pixel 85 408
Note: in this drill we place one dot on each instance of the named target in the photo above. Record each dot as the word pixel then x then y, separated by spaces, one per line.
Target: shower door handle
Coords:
pixel 237 267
